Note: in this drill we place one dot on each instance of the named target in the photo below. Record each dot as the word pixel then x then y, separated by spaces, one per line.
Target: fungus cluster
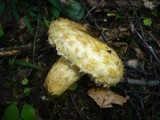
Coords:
pixel 81 54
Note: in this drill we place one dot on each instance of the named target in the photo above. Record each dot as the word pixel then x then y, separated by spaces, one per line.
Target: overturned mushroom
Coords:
pixel 83 52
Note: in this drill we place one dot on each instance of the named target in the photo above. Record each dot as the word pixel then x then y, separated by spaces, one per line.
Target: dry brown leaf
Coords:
pixel 105 98
pixel 139 52
pixel 21 23
pixel 133 63
pixel 149 4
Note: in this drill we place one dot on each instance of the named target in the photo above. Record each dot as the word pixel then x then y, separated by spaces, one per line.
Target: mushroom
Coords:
pixel 61 76
pixel 82 54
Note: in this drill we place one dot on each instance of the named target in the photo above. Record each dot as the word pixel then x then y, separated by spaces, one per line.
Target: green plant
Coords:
pixel 73 9
pixel 26 90
pixel 73 86
pixel 12 112
pixel 23 63
pixel 13 5
pixel 28 24
pixel 147 21
pixel 15 9
pixel 24 81
pixel 2 7
pixel 1 30
pixel 46 22
pixel 55 12
pixel 28 112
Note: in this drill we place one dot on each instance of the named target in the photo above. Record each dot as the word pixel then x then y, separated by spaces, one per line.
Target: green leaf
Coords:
pixel 28 24
pixel 46 22
pixel 28 112
pixel 55 12
pixel 147 22
pixel 25 64
pixel 13 4
pixel 11 62
pixel 1 30
pixel 2 7
pixel 57 4
pixel 154 13
pixel 73 86
pixel 11 112
pixel 24 81
pixel 75 10
pixel 27 91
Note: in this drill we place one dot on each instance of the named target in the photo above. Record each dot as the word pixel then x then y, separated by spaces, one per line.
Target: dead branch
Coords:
pixel 149 83
pixel 80 114
pixel 12 51
pixel 144 40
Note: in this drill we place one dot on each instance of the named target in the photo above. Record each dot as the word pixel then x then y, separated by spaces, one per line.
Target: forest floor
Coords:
pixel 130 27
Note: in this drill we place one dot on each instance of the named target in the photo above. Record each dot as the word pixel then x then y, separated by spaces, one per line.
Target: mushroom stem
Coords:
pixel 61 76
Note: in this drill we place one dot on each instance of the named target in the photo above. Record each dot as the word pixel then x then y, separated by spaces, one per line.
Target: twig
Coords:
pixel 139 70
pixel 36 33
pixel 149 83
pixel 145 43
pixel 12 51
pixel 76 107
pixel 94 7
pixel 155 39
pixel 135 111
pixel 97 26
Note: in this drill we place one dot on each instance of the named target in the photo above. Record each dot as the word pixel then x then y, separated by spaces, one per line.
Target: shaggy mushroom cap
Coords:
pixel 89 54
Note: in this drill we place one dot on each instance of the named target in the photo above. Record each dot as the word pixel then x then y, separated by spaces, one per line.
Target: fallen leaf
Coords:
pixel 149 4
pixel 21 23
pixel 133 63
pixel 105 98
pixel 139 52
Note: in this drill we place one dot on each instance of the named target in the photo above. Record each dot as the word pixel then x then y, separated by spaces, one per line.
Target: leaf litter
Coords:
pixel 105 98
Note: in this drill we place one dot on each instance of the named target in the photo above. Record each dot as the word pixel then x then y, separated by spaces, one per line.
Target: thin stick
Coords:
pixel 97 26
pixel 76 107
pixel 13 51
pixel 36 33
pixel 150 83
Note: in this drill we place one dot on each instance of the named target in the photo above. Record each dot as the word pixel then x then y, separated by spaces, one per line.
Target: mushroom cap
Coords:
pixel 89 54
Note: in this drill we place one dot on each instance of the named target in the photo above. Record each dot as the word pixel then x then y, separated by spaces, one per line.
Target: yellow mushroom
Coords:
pixel 83 51
pixel 61 76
